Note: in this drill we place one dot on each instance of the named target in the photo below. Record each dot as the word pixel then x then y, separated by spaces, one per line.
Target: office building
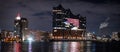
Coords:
pixel 20 25
pixel 66 24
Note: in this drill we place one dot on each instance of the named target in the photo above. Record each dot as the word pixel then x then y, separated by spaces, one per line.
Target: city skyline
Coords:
pixel 40 11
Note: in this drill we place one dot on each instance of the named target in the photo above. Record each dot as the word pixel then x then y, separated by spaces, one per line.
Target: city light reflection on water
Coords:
pixel 17 47
pixel 30 47
pixel 61 46
pixel 83 46
pixel 74 47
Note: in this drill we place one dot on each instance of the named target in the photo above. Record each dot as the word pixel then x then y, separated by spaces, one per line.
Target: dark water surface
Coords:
pixel 81 46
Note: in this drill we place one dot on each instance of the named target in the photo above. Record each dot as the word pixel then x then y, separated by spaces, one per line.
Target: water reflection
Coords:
pixel 74 46
pixel 30 47
pixel 82 46
pixel 17 47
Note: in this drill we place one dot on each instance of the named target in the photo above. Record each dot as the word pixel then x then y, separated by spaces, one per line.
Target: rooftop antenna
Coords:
pixel 18 16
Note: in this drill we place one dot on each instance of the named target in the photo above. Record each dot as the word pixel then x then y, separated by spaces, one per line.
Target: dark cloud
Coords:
pixel 118 14
pixel 22 4
pixel 44 13
pixel 101 1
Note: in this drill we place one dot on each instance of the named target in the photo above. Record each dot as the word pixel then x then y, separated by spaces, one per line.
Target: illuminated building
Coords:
pixel 66 25
pixel 6 36
pixel 24 27
pixel 17 25
pixel 116 36
pixel 36 35
pixel 20 25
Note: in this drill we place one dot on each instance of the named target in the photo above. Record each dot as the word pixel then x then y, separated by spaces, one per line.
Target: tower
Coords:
pixel 24 27
pixel 17 26
pixel 20 25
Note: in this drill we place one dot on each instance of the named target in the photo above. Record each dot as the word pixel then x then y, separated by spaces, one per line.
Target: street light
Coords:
pixel 30 39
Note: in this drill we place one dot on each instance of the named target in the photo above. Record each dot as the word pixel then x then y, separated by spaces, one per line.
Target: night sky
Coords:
pixel 102 15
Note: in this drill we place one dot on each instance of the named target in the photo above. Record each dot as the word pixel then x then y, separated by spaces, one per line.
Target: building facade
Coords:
pixel 67 25
pixel 20 26
pixel 116 36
